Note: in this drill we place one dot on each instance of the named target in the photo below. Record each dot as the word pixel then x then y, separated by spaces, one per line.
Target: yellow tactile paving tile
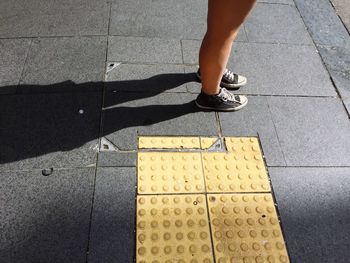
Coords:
pixel 245 228
pixel 234 172
pixel 207 142
pixel 247 147
pixel 172 228
pixel 168 142
pixel 169 172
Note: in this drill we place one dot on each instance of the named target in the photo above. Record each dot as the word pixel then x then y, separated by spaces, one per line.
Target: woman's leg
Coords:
pixel 224 20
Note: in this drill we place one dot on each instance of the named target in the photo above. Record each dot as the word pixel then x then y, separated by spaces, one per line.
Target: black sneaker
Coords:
pixel 224 101
pixel 229 79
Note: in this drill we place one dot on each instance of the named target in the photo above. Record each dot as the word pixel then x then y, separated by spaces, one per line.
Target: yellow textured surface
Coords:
pixel 245 146
pixel 172 228
pixel 235 172
pixel 207 142
pixel 245 228
pixel 169 172
pixel 169 142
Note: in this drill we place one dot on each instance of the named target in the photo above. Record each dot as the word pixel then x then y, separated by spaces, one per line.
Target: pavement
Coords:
pixel 81 80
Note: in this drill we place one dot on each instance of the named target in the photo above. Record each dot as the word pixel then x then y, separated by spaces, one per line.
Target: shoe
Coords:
pixel 229 79
pixel 224 101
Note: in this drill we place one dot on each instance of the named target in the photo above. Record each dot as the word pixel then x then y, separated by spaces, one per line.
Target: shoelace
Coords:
pixel 225 95
pixel 229 74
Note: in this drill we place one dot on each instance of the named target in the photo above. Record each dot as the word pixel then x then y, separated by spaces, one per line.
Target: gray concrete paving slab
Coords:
pixel 117 159
pixel 285 2
pixel 323 23
pixel 13 53
pixel 342 82
pixel 314 208
pixel 342 8
pixel 45 218
pixel 127 115
pixel 275 69
pixel 161 19
pixel 112 226
pixel 147 78
pixel 144 50
pixel 276 23
pixel 49 130
pixel 312 131
pixel 52 18
pixel 255 120
pixel 55 60
pixel 336 58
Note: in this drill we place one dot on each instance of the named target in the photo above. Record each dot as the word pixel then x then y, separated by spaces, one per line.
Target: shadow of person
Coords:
pixel 63 117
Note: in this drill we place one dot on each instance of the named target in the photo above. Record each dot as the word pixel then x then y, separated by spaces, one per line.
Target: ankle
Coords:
pixel 211 92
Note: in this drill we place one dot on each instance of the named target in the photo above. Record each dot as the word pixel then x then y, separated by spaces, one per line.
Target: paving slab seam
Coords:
pixel 341 20
pixel 90 219
pixel 24 64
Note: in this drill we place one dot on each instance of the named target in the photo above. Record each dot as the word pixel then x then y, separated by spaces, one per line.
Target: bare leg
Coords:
pixel 224 20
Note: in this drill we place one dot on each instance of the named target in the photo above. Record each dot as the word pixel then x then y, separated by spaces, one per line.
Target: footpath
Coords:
pixel 87 88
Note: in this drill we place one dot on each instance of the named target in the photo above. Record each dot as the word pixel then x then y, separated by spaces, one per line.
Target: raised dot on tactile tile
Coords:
pixel 167 236
pixel 176 200
pixel 165 200
pixel 142 212
pixel 279 245
pixel 179 236
pixel 153 177
pixel 267 246
pixel 141 251
pixel 247 260
pixel 190 223
pixel 200 211
pixel 283 259
pixel 225 210
pixel 227 222
pixel 202 222
pixel 273 221
pixel 206 260
pixel 166 223
pixel 154 236
pixel 220 247
pixel 167 249
pixel 241 234
pixel 142 200
pixel 232 247
pixel 154 224
pixel 253 233
pixel 244 247
pixel 205 248
pixel 180 249
pixel 270 209
pixel 256 246
pixel 248 210
pixel 236 210
pixel 264 233
pixel 142 188
pixel 217 234
pixel 178 223
pixel 239 221
pixel 142 224
pixel 216 222
pixel 271 259
pixel 141 237
pixel 262 221
pixel 154 211
pixel 154 250
pixel 154 188
pixel 191 235
pixel 276 233
pixel 177 211
pixel 259 259
pixel 250 221
pixel 222 260
pixel 193 249
pixel 234 199
pixel 203 235
pixel 229 234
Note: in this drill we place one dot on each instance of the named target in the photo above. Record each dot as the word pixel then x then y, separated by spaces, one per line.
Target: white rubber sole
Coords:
pixel 215 109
